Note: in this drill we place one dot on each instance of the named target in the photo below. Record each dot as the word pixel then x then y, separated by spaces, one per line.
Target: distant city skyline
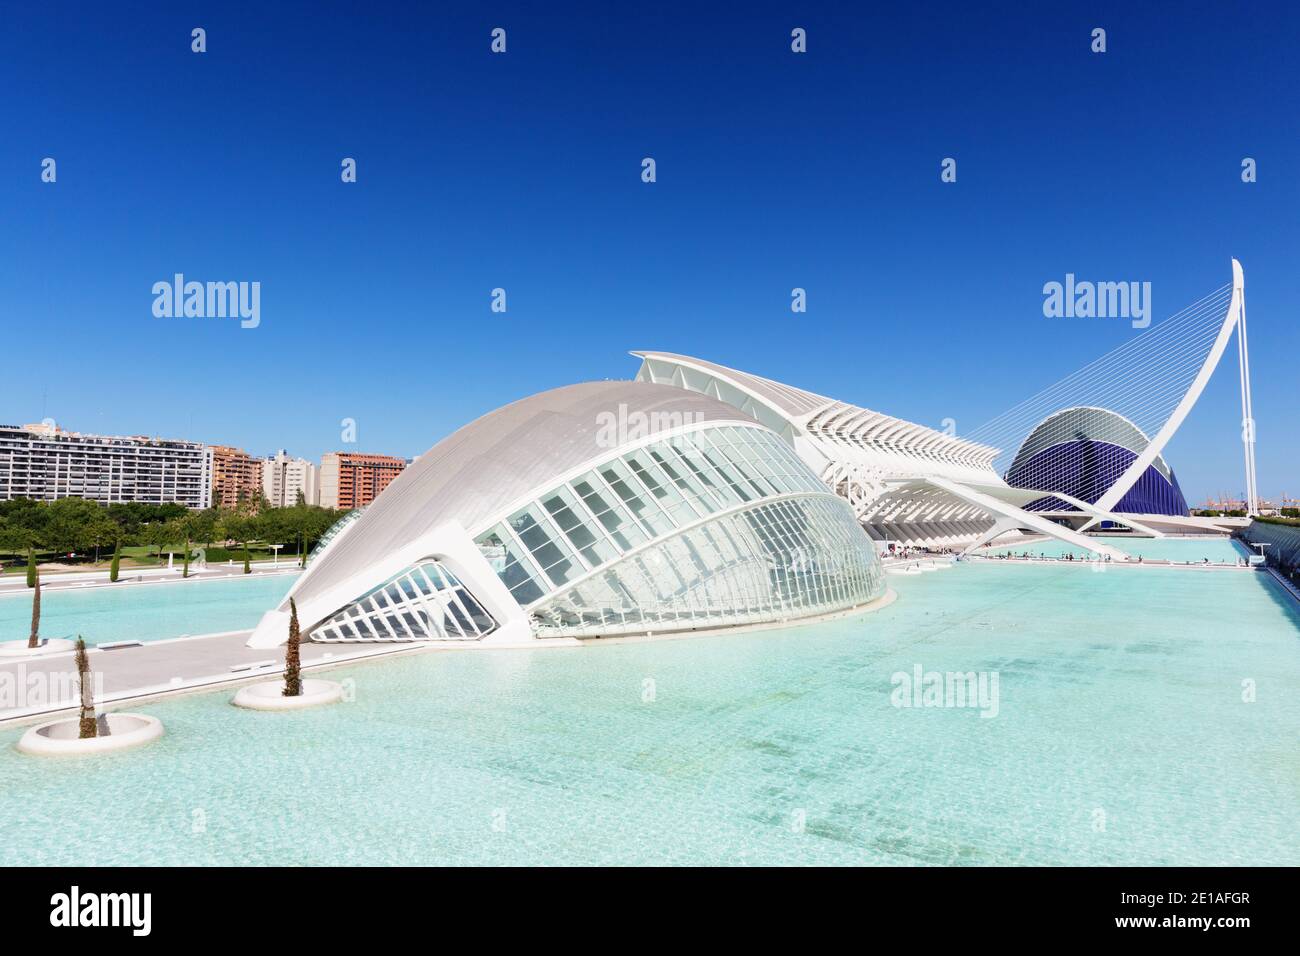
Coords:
pixel 255 453
pixel 372 301
pixel 44 462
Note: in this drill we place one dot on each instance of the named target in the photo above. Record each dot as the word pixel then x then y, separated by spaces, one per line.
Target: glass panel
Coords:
pixel 702 472
pixel 717 463
pixel 519 574
pixel 690 489
pixel 559 505
pixel 570 516
pixel 620 480
pixel 614 518
pixel 554 557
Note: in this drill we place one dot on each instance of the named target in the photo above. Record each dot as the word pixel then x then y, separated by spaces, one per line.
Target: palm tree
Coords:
pixel 88 726
pixel 34 641
pixel 292 671
pixel 31 566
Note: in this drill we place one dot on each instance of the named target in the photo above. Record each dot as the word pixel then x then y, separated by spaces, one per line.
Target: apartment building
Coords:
pixel 351 480
pixel 285 478
pixel 45 462
pixel 236 477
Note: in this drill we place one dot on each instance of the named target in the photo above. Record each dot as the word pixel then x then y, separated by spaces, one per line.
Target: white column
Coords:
pixel 1247 413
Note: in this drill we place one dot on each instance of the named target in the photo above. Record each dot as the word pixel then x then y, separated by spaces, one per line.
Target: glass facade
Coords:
pixel 785 546
pixel 424 602
pixel 790 558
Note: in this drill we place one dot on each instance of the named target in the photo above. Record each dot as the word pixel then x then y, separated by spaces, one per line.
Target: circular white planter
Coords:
pixel 906 570
pixel 58 738
pixel 270 695
pixel 50 645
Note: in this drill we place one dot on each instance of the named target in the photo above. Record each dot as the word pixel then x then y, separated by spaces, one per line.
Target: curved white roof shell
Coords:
pixel 594 509
pixel 848 431
pixel 481 470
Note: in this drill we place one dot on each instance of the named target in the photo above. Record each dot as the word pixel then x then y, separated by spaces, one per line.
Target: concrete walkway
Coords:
pixel 1290 588
pixel 32 687
pixel 1094 564
pixel 73 580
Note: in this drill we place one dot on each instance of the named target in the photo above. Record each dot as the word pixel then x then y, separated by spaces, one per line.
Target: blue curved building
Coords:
pixel 1082 452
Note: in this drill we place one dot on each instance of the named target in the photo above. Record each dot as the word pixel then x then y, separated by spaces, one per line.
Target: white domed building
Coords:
pixel 599 509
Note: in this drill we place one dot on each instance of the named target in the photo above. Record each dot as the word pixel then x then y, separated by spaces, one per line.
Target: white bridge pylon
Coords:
pixel 1247 412
pixel 1233 320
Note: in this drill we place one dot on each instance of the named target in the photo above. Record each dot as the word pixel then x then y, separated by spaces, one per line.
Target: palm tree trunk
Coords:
pixel 34 641
pixel 87 725
pixel 292 662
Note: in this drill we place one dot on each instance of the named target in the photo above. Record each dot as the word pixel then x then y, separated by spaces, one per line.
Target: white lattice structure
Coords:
pixel 917 485
pixel 426 602
pixel 905 482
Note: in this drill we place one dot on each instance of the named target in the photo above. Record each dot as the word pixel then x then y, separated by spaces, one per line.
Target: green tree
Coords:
pixel 72 524
pixel 102 531
pixel 203 525
pixel 159 534
pixel 115 567
pixel 275 525
pixel 14 538
pixel 24 521
pixel 315 522
pixel 75 525
pixel 131 516
pixel 239 529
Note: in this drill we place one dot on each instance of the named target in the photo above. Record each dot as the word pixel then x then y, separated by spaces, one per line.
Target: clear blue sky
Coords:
pixel 522 171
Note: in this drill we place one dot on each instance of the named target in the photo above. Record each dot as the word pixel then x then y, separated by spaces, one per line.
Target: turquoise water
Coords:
pixel 1120 701
pixel 146 612
pixel 1170 549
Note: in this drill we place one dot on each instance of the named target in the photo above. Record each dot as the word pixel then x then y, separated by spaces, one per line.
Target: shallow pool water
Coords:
pixel 146 612
pixel 1217 549
pixel 1121 736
